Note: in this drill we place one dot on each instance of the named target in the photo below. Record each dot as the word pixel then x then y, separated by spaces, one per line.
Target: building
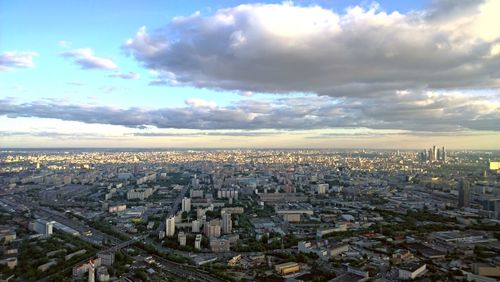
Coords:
pixel 196 193
pixel 227 224
pixel 197 242
pixel 43 227
pixel 117 208
pixel 292 217
pixel 186 204
pixel 91 272
pixel 486 269
pixel 233 210
pixel 463 193
pixel 287 268
pixel 182 238
pixel 140 193
pixel 322 188
pixel 170 226
pixel 195 226
pixel 323 248
pixel 411 270
pixel 107 258
pixel 212 228
pixel 494 166
pixel 218 245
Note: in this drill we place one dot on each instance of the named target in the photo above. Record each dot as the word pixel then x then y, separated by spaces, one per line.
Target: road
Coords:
pixel 185 271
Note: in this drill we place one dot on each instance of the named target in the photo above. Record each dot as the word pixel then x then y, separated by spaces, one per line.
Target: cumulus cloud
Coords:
pixel 13 59
pixel 130 75
pixel 85 58
pixel 423 111
pixel 363 51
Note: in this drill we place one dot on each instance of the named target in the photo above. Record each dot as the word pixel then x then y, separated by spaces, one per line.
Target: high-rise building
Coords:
pixel 227 224
pixel 463 193
pixel 170 226
pixel 212 228
pixel 443 154
pixel 186 204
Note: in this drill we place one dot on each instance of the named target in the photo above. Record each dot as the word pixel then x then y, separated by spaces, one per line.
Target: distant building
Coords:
pixel 117 208
pixel 186 204
pixel 107 258
pixel 43 227
pixel 195 226
pixel 411 270
pixel 464 191
pixel 197 242
pixel 170 226
pixel 494 166
pixel 287 268
pixel 322 188
pixel 182 238
pixel 227 224
pixel 486 269
pixel 218 245
pixel 212 228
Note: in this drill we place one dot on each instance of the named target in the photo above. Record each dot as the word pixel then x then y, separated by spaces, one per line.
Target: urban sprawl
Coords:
pixel 249 215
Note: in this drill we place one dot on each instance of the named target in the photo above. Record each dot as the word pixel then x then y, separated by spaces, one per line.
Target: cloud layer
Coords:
pixel 425 111
pixel 282 48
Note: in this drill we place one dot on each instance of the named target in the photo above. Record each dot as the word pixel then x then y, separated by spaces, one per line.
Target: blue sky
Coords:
pixel 79 49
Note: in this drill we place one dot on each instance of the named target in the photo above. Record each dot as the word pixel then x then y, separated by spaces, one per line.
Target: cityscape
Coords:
pixel 250 215
pixel 250 141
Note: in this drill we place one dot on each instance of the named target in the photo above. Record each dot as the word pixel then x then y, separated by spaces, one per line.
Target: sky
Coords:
pixel 234 74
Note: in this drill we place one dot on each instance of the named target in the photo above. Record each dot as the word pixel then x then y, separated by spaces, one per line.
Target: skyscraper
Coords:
pixel 463 193
pixel 170 226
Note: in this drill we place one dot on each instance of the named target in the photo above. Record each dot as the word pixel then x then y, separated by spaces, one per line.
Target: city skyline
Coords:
pixel 233 74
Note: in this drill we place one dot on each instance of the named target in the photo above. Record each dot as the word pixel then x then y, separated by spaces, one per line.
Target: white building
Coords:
pixel 186 204
pixel 44 227
pixel 170 226
pixel 197 242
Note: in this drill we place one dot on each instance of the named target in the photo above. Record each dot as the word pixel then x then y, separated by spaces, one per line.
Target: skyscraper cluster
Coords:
pixel 433 154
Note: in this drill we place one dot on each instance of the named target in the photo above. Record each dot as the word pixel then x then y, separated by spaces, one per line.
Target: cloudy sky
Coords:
pixel 308 74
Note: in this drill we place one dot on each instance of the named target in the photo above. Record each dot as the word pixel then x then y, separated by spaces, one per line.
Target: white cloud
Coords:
pixel 200 103
pixel 85 58
pixel 13 59
pixel 129 75
pixel 282 48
